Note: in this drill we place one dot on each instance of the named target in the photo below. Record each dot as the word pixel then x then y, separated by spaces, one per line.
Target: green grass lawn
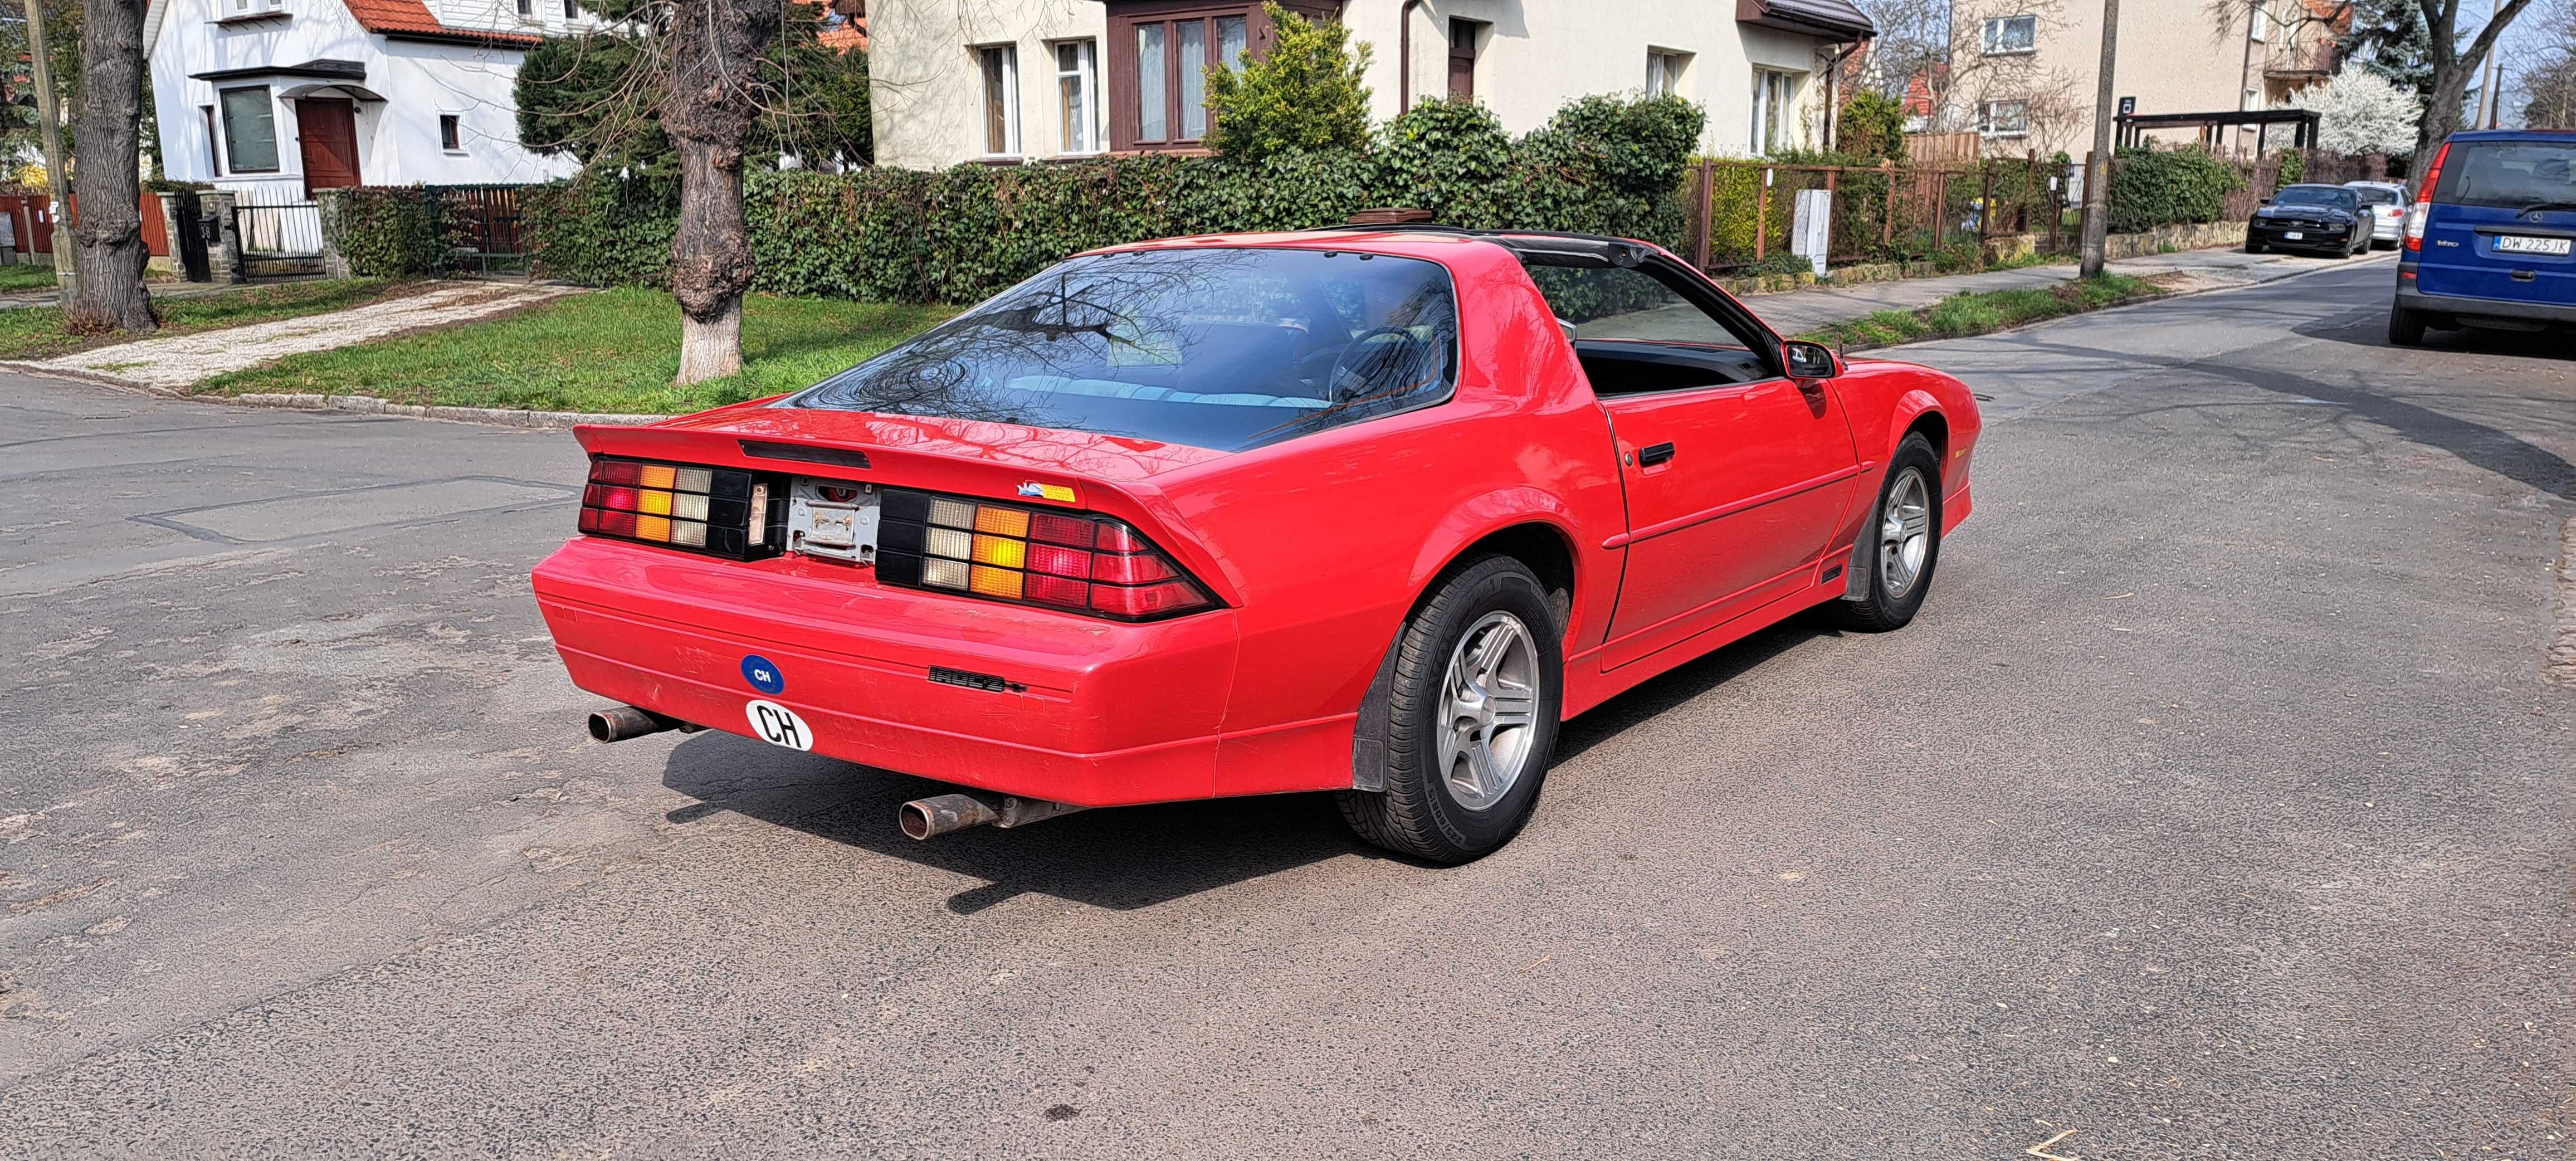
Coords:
pixel 1980 313
pixel 18 276
pixel 615 350
pixel 36 332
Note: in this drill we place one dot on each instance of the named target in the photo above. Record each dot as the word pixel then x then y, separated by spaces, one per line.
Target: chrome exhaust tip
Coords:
pixel 924 818
pixel 626 721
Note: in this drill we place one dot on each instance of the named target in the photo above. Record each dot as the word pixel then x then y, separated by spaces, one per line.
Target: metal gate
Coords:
pixel 190 217
pixel 482 227
pixel 285 229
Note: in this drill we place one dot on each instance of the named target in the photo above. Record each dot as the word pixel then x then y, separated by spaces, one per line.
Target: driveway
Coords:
pixel 2216 807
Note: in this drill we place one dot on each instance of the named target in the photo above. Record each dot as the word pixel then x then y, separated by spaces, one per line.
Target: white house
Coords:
pixel 1029 80
pixel 273 99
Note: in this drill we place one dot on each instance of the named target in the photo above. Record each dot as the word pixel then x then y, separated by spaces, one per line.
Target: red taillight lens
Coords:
pixel 1076 562
pixel 2424 199
pixel 722 511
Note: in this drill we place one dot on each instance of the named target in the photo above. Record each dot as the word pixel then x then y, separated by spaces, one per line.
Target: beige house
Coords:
pixel 2022 72
pixel 1033 80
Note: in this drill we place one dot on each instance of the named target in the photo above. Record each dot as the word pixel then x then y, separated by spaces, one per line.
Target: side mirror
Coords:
pixel 1809 360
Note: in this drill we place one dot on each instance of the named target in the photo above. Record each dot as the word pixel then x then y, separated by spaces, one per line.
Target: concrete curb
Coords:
pixel 2125 304
pixel 355 404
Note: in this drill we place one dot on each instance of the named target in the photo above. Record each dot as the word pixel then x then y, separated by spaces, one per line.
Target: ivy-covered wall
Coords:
pixel 1603 164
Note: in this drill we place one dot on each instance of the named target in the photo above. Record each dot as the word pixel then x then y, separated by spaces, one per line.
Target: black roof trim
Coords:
pixel 1542 247
pixel 327 70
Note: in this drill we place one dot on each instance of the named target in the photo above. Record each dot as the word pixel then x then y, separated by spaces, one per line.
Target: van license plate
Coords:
pixel 2519 244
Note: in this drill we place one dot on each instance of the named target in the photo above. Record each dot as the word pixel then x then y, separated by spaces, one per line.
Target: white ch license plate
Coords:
pixel 2518 244
pixel 2293 236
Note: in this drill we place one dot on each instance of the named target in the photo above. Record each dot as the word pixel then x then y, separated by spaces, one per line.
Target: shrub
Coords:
pixel 385 231
pixel 1873 127
pixel 1307 94
pixel 960 234
pixel 2162 187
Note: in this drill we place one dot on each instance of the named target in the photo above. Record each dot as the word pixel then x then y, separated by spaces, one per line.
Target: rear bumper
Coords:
pixel 2464 307
pixel 1100 714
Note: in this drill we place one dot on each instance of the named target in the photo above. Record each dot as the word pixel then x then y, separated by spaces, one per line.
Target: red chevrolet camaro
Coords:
pixel 1368 510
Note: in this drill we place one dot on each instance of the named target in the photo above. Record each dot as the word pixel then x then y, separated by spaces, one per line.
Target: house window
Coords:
pixel 250 130
pixel 254 7
pixel 2007 35
pixel 1462 57
pixel 1158 66
pixel 572 9
pixel 528 8
pixel 1664 72
pixel 1775 100
pixel 451 134
pixel 214 157
pixel 2004 118
pixel 1001 100
pixel 2260 28
pixel 1077 84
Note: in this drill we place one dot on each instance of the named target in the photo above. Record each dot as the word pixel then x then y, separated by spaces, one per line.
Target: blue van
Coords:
pixel 2491 241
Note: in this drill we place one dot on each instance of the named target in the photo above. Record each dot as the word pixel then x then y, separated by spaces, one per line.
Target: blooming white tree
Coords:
pixel 2360 111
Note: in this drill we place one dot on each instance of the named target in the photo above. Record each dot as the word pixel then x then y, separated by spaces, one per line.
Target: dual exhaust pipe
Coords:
pixel 921 818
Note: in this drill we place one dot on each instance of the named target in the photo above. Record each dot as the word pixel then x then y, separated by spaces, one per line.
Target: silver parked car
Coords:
pixel 2385 202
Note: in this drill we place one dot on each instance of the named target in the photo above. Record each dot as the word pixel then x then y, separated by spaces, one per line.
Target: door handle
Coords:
pixel 1654 454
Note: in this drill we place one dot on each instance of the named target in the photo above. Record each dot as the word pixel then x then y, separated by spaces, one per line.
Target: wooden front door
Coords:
pixel 328 132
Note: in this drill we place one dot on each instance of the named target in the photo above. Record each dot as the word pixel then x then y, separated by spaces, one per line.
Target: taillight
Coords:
pixel 1064 560
pixel 2424 199
pixel 721 511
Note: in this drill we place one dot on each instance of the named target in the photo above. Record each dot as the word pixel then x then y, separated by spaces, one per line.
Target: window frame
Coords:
pixel 1473 31
pixel 232 148
pixel 451 133
pixel 1691 287
pixel 1996 29
pixel 1664 68
pixel 1007 100
pixel 1122 85
pixel 1775 97
pixel 1086 78
pixel 1986 120
pixel 214 140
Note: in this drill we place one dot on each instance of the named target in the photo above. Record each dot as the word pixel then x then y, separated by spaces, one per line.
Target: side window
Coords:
pixel 1634 303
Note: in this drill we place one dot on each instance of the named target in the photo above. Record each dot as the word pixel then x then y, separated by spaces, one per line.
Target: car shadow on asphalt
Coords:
pixel 1124 858
pixel 1120 859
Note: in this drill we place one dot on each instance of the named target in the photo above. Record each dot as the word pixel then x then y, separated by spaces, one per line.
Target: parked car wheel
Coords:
pixel 2252 246
pixel 1903 541
pixel 2405 326
pixel 1471 717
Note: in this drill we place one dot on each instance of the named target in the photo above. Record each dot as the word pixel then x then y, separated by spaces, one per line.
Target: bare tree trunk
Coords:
pixel 2453 69
pixel 49 122
pixel 715 53
pixel 108 289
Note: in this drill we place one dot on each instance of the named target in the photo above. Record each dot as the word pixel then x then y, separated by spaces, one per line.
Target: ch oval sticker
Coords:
pixel 778 725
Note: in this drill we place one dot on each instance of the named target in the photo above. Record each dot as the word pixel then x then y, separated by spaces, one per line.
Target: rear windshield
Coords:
pixel 2375 195
pixel 2316 195
pixel 1216 348
pixel 2515 175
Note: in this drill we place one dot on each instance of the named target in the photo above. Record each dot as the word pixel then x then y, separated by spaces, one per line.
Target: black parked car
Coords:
pixel 2324 218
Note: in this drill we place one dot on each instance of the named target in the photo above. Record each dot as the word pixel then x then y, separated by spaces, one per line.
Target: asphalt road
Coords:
pixel 2217 807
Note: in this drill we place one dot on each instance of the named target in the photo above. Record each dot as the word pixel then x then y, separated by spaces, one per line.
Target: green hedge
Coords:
pixel 386 231
pixel 1602 164
pixel 2163 187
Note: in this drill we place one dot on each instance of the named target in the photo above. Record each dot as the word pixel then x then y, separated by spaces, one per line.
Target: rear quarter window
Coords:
pixel 1221 348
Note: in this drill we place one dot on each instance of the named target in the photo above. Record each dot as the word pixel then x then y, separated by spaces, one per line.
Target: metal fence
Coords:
pixel 277 221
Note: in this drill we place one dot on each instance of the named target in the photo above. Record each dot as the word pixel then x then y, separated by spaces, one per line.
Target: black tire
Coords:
pixel 2405 326
pixel 2252 246
pixel 2350 248
pixel 1417 814
pixel 1880 609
